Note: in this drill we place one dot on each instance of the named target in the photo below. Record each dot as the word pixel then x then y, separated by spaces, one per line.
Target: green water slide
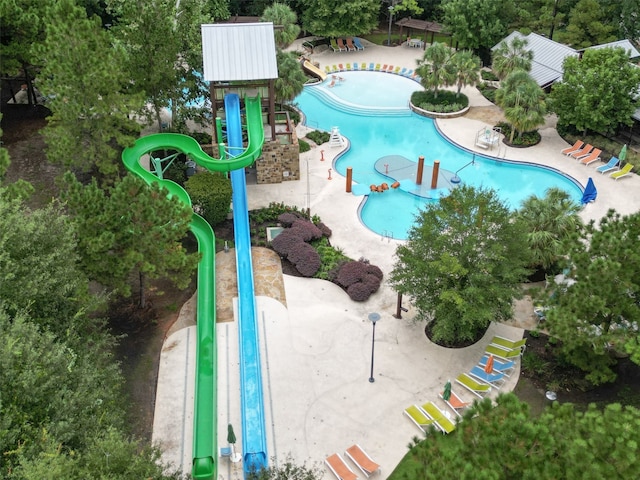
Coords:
pixel 205 404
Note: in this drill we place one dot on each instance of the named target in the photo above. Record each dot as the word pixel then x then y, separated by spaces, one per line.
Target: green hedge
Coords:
pixel 210 193
pixel 446 101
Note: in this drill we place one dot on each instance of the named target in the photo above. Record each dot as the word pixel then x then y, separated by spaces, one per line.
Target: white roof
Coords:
pixel 240 51
pixel 626 44
pixel 548 57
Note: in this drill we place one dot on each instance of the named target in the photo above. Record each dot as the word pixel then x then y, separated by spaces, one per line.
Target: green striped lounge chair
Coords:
pixel 417 416
pixel 508 344
pixel 438 416
pixel 502 353
pixel 475 387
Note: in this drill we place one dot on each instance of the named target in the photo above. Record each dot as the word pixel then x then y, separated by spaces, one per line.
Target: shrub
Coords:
pixel 211 193
pixel 326 231
pixel 286 242
pixel 350 273
pixel 287 219
pixel 307 230
pixel 359 292
pixel 176 171
pixel 445 98
pixel 305 258
pixel 372 281
pixel 526 139
pixel 488 75
pixel 374 270
pixel 304 146
pixel 318 137
pixel 488 92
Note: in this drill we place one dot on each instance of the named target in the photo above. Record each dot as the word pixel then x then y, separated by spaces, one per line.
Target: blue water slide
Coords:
pixel 254 438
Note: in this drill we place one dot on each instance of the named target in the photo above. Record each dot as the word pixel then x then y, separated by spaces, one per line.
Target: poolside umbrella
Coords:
pixel 623 154
pixel 446 394
pixel 590 192
pixel 488 368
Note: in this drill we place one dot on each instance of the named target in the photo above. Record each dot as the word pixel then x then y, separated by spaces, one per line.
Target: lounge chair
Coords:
pixel 498 365
pixel 341 45
pixel 356 42
pixel 455 403
pixel 576 146
pixel 610 165
pixel 372 67
pixel 377 67
pixel 396 70
pixel 496 379
pixel 444 424
pixel 334 45
pixel 339 468
pixel 340 67
pixel 350 46
pixel 390 69
pixel 583 152
pixel 418 417
pixel 363 66
pixel 362 460
pixel 408 73
pixel 348 67
pixel 501 353
pixel 623 172
pixel 594 156
pixel 475 387
pixel 334 68
pixel 507 344
pixel 355 66
pixel 384 67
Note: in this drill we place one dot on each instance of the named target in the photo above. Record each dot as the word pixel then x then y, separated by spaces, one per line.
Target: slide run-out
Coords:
pixel 205 405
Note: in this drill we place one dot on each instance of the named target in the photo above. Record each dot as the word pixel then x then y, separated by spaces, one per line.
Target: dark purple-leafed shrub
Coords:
pixel 373 270
pixel 307 230
pixel 306 259
pixel 350 273
pixel 372 281
pixel 287 219
pixel 286 242
pixel 326 231
pixel 359 292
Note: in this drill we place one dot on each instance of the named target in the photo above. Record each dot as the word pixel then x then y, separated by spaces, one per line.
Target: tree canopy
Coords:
pixel 596 313
pixel 337 18
pixel 507 441
pixel 596 92
pixel 434 68
pixel 588 25
pixel 511 56
pixel 282 16
pixel 130 228
pixel 462 264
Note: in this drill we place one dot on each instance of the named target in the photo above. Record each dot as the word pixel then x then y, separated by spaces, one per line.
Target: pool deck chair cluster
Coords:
pixel 588 154
pixel 360 459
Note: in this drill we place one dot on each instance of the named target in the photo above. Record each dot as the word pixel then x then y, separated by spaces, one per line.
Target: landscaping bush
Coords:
pixel 307 230
pixel 318 137
pixel 359 292
pixel 372 281
pixel 305 258
pixel 176 171
pixel 304 146
pixel 210 193
pixel 375 271
pixel 350 273
pixel 286 242
pixel 326 231
pixel 287 219
pixel 526 139
pixel 488 92
pixel 489 76
pixel 444 102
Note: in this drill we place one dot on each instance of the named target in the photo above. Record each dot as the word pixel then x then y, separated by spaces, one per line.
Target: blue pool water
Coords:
pixel 371 110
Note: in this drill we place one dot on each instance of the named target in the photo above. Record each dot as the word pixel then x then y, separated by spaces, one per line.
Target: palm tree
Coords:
pixel 550 221
pixel 464 68
pixel 433 68
pixel 523 102
pixel 512 56
pixel 291 78
pixel 282 15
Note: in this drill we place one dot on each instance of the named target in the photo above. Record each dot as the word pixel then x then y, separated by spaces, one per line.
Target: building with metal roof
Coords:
pixel 548 57
pixel 626 44
pixel 239 52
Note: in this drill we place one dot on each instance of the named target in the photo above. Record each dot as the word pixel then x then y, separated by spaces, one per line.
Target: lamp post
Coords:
pixel 389 44
pixel 374 317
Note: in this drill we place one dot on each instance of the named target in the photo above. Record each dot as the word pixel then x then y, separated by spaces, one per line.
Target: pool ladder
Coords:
pixel 388 234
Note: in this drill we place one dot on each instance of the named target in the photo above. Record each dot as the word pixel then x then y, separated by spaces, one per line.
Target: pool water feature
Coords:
pixel 373 114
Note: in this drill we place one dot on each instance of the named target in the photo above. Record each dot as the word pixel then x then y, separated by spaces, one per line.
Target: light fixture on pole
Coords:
pixel 374 317
pixel 389 39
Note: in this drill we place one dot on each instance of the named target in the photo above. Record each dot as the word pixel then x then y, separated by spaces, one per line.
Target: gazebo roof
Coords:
pixel 422 25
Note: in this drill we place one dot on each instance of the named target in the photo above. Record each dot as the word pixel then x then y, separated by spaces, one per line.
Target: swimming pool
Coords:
pixel 371 110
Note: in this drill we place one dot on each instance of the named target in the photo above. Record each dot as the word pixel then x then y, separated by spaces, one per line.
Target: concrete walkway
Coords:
pixel 316 351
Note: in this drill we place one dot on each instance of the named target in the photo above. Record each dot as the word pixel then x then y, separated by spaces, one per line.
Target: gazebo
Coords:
pixel 423 27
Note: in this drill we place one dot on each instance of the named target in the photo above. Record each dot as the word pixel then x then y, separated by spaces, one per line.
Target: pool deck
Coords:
pixel 318 349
